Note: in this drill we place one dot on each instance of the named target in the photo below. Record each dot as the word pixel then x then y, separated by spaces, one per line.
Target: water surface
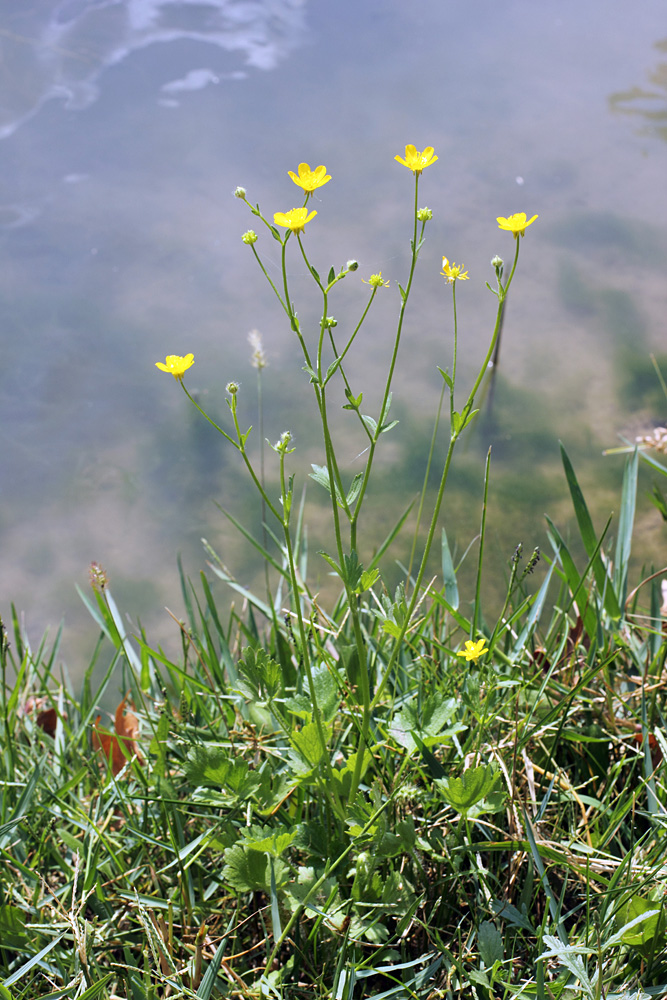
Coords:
pixel 125 125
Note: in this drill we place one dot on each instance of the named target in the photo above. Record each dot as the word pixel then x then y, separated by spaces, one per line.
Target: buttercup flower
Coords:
pixel 176 365
pixel 310 179
pixel 473 650
pixel 295 219
pixel 516 224
pixel 376 281
pixel 416 161
pixel 453 272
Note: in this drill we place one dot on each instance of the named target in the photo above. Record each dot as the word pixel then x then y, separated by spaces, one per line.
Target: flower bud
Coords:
pixel 330 322
pixel 282 445
pixel 250 237
pixel 351 265
pixel 98 577
pixel 497 262
pixel 232 388
pixel 424 214
pixel 239 192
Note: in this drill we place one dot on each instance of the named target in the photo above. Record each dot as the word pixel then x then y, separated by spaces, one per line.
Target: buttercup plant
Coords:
pixel 372 796
pixel 325 364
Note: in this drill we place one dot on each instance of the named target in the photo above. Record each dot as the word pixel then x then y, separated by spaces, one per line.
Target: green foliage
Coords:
pixel 466 792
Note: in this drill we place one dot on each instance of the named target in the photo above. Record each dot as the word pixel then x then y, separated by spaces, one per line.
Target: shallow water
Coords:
pixel 125 126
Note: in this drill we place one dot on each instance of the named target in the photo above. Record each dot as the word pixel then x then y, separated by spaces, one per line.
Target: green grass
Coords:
pixel 507 835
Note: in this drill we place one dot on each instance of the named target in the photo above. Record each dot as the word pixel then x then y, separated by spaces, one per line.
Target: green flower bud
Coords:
pixel 250 237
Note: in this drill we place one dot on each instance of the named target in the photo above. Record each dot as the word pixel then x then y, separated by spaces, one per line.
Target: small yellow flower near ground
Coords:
pixel 376 281
pixel 473 650
pixel 453 272
pixel 176 365
pixel 310 179
pixel 295 219
pixel 416 161
pixel 516 224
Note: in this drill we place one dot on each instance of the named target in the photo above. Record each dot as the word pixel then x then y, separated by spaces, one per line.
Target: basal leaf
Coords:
pixel 473 785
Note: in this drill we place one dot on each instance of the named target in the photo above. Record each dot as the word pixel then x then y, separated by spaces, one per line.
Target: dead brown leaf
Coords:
pixel 120 747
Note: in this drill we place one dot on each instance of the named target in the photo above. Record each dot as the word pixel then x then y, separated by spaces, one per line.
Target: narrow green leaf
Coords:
pixel 32 962
pixel 574 581
pixel 388 427
pixel 449 573
pixel 331 370
pixel 320 474
pixel 334 565
pixel 331 276
pixel 447 377
pixel 588 537
pixel 355 488
pixel 370 423
pixel 211 974
pixel 354 402
pixel 534 616
pixel 626 522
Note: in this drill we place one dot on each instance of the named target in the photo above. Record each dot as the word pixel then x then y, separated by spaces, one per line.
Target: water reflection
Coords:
pixel 61 50
pixel 649 105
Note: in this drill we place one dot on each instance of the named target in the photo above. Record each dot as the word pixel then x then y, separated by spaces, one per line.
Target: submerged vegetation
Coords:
pixel 387 793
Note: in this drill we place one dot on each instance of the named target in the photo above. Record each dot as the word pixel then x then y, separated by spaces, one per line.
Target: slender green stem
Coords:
pixel 269 279
pixel 286 494
pixel 435 431
pixel 456 430
pixel 240 446
pixel 405 294
pixel 455 353
pixel 427 475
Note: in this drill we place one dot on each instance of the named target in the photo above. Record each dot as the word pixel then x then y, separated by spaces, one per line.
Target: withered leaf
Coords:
pixel 120 747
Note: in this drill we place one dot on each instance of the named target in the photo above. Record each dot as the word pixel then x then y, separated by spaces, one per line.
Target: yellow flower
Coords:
pixel 416 161
pixel 310 179
pixel 473 650
pixel 376 281
pixel 295 219
pixel 453 272
pixel 176 365
pixel 516 224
